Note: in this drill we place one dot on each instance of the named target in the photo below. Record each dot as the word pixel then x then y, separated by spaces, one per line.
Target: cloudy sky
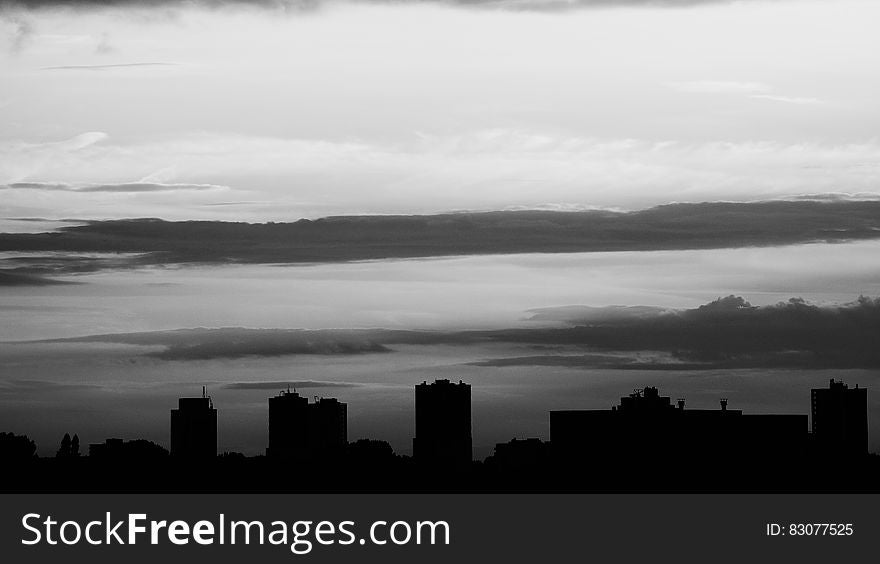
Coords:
pixel 284 109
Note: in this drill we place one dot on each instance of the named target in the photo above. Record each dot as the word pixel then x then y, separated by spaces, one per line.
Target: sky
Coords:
pixel 281 110
pixel 480 292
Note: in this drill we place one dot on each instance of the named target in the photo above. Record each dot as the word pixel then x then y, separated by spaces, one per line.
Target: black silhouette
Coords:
pixel 303 431
pixel 119 450
pixel 16 448
pixel 646 443
pixel 194 428
pixel 840 420
pixel 520 456
pixel 65 450
pixel 443 424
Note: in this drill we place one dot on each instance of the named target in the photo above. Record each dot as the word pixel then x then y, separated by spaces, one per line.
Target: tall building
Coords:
pixel 840 419
pixel 300 430
pixel 443 424
pixel 194 428
pixel 327 428
pixel 288 425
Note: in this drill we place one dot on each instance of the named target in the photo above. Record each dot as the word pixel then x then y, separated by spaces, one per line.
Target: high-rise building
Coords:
pixel 194 428
pixel 840 419
pixel 300 430
pixel 443 424
pixel 327 428
pixel 288 425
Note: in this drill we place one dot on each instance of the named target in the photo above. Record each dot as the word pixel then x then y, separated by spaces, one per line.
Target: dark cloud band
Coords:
pixel 724 334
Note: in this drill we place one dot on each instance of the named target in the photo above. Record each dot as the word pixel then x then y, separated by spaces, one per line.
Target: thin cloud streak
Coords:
pixel 128 187
pixel 110 66
pixel 787 99
pixel 719 87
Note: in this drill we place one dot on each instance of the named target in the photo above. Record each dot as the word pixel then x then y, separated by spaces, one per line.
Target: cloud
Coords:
pixel 77 143
pixel 110 66
pixel 24 279
pixel 20 159
pixel 104 46
pixel 16 387
pixel 123 188
pixel 787 99
pixel 22 31
pixel 288 384
pixel 351 238
pixel 236 342
pixel 719 87
pixel 726 333
pixel 836 197
pixel 147 187
pixel 428 173
pixel 754 90
pixel 309 5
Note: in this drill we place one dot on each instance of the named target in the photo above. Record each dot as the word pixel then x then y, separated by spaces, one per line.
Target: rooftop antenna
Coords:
pixel 204 391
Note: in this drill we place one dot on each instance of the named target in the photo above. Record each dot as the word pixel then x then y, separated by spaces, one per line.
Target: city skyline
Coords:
pixel 589 450
pixel 305 432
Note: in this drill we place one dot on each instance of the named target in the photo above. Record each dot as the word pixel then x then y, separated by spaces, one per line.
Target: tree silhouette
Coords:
pixel 65 449
pixel 16 447
pixel 74 446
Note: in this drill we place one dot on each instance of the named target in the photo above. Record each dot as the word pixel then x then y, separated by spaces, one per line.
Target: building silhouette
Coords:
pixel 137 450
pixel 839 420
pixel 647 427
pixel 443 424
pixel 110 448
pixel 194 428
pixel 520 455
pixel 299 430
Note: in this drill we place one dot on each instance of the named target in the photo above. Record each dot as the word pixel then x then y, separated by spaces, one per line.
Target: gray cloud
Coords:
pixel 16 387
pixel 726 333
pixel 125 187
pixel 346 238
pixel 104 46
pixel 25 279
pixel 284 385
pixel 21 32
pixel 237 342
